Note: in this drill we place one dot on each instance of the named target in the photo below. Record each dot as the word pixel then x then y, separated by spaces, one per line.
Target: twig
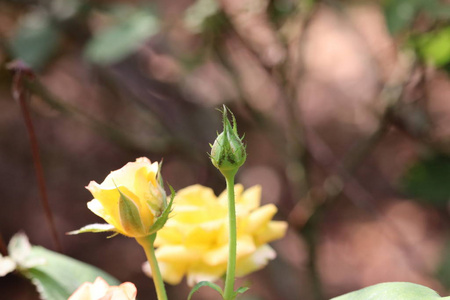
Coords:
pixel 21 94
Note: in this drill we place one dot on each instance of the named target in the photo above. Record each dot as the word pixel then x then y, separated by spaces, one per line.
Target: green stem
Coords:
pixel 231 267
pixel 147 243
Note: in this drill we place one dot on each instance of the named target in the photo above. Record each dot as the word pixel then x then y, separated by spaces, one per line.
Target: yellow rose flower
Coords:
pixel 100 290
pixel 129 199
pixel 194 241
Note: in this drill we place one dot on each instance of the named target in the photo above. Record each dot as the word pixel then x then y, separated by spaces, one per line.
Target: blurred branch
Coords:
pixel 3 248
pixel 21 95
pixel 122 138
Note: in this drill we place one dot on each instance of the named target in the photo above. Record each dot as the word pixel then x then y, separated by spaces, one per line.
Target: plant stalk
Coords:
pixel 148 244
pixel 231 267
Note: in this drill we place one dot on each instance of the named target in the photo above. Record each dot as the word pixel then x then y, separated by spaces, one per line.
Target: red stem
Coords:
pixel 21 95
pixel 3 249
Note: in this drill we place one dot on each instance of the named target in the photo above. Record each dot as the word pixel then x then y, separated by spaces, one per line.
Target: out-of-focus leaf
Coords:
pixel 434 47
pixel 123 38
pixel 392 291
pixel 60 275
pixel 36 39
pixel 400 14
pixel 443 271
pixel 196 14
pixel 428 180
pixel 438 10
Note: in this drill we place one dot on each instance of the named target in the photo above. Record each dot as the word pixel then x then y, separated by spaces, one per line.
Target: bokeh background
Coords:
pixel 345 106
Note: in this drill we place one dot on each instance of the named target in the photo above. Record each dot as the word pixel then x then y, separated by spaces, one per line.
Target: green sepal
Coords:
pixel 240 290
pixel 228 153
pixel 130 218
pixel 162 219
pixel 202 284
pixel 93 228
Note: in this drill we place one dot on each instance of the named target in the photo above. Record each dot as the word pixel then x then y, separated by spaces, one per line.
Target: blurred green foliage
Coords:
pixel 391 291
pixel 130 29
pixel 36 40
pixel 434 47
pixel 400 14
pixel 428 180
pixel 443 272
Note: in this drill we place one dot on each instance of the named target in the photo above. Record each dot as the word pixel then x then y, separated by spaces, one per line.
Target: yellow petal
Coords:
pixel 195 195
pixel 147 189
pixel 255 261
pixel 261 217
pixel 123 176
pixel 198 214
pixel 251 198
pixel 200 237
pixel 203 272
pixel 177 254
pixel 168 235
pixel 219 255
pixel 172 272
pixel 273 231
pixel 111 216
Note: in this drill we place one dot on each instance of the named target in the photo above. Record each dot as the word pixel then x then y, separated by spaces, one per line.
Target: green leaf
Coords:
pixel 428 180
pixel 123 38
pixel 202 284
pixel 36 40
pixel 434 47
pixel 94 228
pixel 400 14
pixel 61 275
pixel 240 290
pixel 392 291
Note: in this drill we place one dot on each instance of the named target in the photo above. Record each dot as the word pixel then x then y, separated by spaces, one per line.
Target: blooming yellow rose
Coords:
pixel 129 199
pixel 194 241
pixel 100 290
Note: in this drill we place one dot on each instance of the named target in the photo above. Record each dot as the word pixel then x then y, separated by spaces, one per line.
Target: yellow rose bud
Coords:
pixel 100 289
pixel 228 152
pixel 194 241
pixel 131 199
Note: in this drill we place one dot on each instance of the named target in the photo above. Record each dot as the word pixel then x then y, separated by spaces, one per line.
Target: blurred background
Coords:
pixel 345 106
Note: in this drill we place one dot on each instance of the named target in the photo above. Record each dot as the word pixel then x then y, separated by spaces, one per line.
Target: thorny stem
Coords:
pixel 148 244
pixel 21 94
pixel 231 267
